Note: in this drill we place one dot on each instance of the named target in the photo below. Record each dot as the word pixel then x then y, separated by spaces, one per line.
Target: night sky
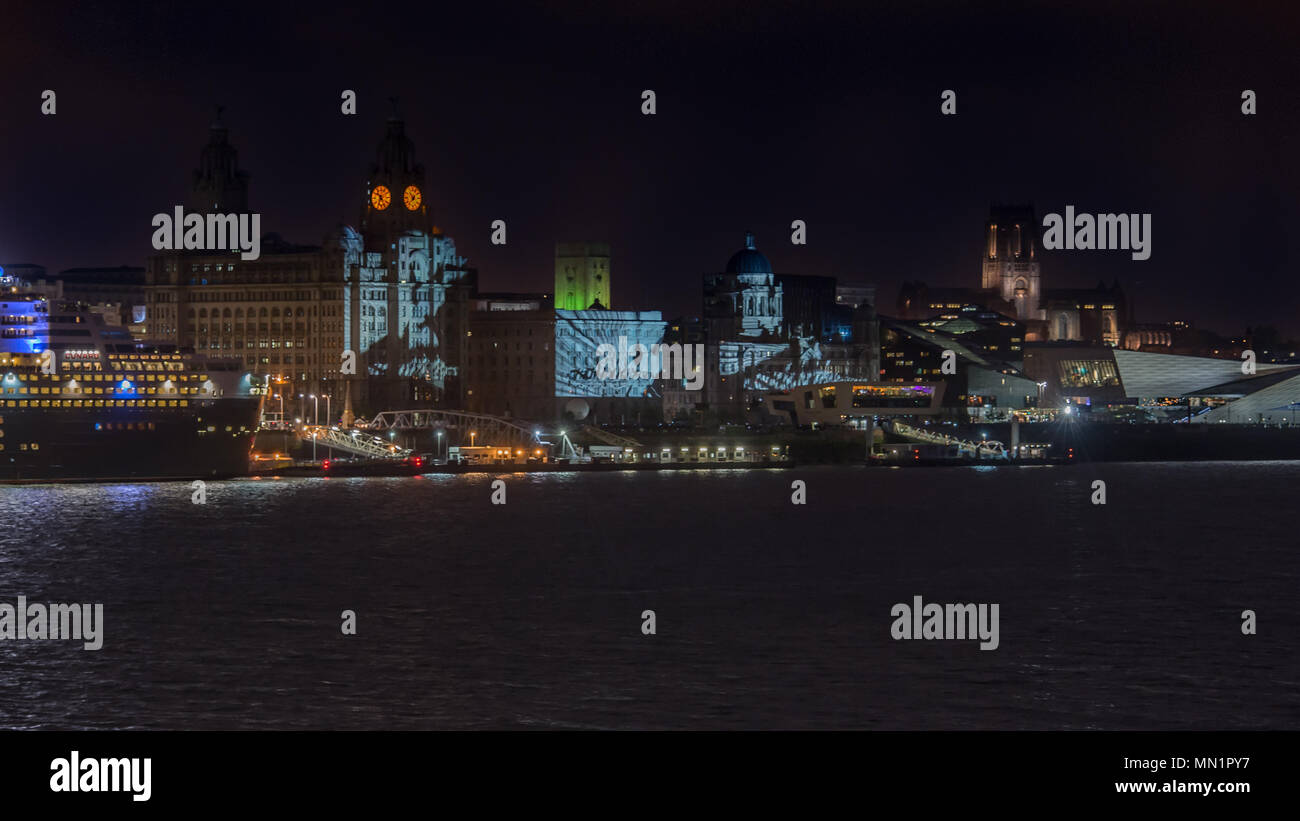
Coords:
pixel 767 112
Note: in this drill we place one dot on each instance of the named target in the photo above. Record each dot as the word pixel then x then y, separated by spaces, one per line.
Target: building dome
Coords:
pixel 749 260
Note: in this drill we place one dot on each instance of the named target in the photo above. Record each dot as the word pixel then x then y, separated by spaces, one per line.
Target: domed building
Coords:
pixel 745 300
pixel 748 260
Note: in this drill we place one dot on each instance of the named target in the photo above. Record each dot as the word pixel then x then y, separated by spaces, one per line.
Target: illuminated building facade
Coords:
pixel 625 394
pixel 582 276
pixel 1010 267
pixel 1095 316
pixel 530 361
pixel 394 293
pixel 1084 376
pixel 1011 284
pixel 995 336
pixel 281 314
pixel 770 331
pixel 578 338
pixel 744 301
pixel 978 387
pixel 407 292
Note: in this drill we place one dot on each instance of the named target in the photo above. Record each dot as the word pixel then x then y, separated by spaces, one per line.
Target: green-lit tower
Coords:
pixel 581 275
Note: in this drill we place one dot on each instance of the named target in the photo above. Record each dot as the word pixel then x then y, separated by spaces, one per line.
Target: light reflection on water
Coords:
pixel 226 615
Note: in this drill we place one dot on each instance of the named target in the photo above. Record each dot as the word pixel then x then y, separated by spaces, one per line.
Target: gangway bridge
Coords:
pixel 355 442
pixel 984 449
pixel 496 430
pixel 608 438
pixel 366 438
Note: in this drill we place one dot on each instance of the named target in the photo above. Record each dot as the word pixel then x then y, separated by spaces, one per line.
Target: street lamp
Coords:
pixel 329 423
pixel 315 402
pixel 439 444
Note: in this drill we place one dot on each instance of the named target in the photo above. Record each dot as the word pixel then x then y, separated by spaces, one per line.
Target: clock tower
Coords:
pixel 394 198
pixel 407 292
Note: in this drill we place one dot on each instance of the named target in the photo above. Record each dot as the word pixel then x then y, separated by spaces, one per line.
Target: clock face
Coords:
pixel 380 197
pixel 411 196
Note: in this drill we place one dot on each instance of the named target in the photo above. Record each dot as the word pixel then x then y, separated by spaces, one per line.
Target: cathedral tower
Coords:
pixel 1011 259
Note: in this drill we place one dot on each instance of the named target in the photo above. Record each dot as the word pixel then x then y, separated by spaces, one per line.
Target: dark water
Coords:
pixel 769 615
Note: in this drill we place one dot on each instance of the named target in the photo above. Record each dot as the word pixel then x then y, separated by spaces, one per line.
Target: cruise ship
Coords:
pixel 81 399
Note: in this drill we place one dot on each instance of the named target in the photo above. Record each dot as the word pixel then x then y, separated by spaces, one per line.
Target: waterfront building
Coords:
pixel 511 356
pixel 1072 374
pixel 1097 316
pixel 407 292
pixel 582 276
pixel 530 361
pixel 1011 284
pixel 997 337
pixel 1210 390
pixel 393 295
pixel 628 396
pixel 680 403
pixel 853 404
pixel 768 331
pixel 812 309
pixel 977 388
pixel 744 301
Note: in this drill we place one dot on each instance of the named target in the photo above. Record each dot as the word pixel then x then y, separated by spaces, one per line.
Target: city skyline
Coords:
pixel 891 366
pixel 891 190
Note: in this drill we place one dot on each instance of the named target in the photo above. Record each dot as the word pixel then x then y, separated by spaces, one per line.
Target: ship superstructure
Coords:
pixel 82 399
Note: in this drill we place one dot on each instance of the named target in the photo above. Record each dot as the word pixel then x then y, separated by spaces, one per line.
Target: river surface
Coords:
pixel 228 614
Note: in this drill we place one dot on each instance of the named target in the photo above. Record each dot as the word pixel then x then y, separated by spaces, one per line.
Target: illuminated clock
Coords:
pixel 380 197
pixel 411 196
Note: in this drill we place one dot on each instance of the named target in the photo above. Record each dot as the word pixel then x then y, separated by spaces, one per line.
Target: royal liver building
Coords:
pixel 406 291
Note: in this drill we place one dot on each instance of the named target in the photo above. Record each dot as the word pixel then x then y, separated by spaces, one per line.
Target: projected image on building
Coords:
pixel 780 366
pixel 579 336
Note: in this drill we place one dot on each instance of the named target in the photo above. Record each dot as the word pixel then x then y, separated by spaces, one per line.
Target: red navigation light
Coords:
pixel 418 462
pixel 326 464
